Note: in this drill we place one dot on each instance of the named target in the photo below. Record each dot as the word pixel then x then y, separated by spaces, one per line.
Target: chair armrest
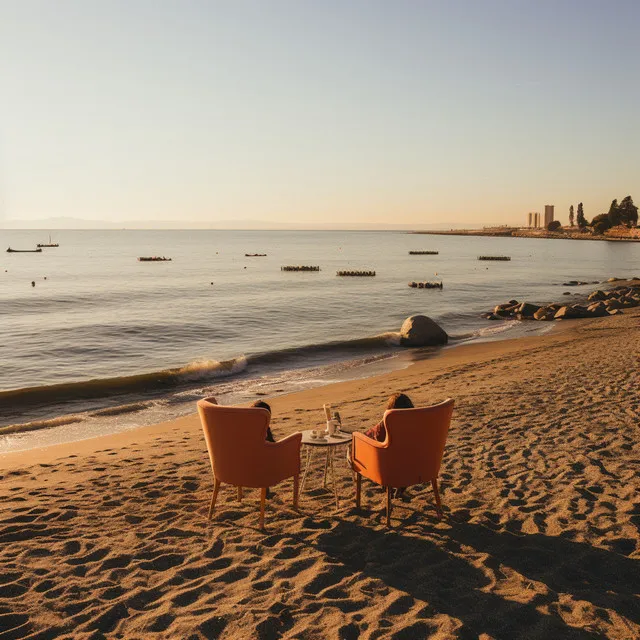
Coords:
pixel 368 457
pixel 284 455
pixel 366 440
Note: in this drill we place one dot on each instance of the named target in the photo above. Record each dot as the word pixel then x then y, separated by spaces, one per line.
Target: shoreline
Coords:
pixel 526 233
pixel 126 412
pixel 130 413
pixel 86 427
pixel 441 357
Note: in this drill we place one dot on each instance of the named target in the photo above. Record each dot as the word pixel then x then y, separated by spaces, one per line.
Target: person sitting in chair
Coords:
pixel 379 433
pixel 396 401
pixel 263 405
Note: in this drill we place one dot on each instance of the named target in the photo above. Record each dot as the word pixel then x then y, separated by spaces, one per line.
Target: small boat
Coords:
pixel 49 244
pixel 255 255
pixel 10 250
pixel 153 259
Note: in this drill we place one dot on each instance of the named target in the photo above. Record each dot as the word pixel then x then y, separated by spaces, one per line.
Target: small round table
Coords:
pixel 329 443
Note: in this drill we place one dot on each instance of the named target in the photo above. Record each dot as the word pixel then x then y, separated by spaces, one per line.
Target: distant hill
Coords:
pixel 82 223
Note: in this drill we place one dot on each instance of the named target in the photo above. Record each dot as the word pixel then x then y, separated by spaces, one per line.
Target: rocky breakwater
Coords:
pixel 599 304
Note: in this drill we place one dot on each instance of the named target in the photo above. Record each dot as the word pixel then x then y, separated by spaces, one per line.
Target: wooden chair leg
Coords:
pixel 240 494
pixel 358 489
pixel 389 490
pixel 296 489
pixel 216 488
pixel 434 484
pixel 263 499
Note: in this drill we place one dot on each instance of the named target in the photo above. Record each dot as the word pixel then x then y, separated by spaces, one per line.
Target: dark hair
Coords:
pixel 399 401
pixel 261 404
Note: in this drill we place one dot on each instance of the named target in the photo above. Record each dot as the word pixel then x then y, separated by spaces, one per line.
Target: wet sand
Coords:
pixel 108 538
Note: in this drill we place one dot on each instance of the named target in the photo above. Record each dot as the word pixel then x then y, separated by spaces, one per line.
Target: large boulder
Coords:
pixel 569 313
pixel 505 310
pixel 544 313
pixel 420 331
pixel 598 309
pixel 526 309
pixel 628 301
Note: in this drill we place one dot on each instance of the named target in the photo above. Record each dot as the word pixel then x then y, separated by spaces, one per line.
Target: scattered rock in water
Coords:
pixel 598 309
pixel 573 312
pixel 526 309
pixel 507 309
pixel 544 313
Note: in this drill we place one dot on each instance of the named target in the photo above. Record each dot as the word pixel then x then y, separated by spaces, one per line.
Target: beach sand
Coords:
pixel 108 538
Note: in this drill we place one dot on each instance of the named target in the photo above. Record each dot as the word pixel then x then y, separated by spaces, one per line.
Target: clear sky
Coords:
pixel 401 111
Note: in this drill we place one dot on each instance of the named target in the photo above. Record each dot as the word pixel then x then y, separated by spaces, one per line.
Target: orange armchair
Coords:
pixel 241 456
pixel 411 453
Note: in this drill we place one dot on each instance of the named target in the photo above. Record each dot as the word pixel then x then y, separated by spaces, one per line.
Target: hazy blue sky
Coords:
pixel 317 110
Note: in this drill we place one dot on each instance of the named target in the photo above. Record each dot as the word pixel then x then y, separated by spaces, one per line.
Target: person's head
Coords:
pixel 261 404
pixel 399 401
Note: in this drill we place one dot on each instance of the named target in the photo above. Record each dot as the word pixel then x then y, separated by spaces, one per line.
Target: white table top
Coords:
pixel 342 437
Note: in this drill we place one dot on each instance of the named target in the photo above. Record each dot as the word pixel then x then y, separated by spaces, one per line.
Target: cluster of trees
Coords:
pixel 579 219
pixel 624 212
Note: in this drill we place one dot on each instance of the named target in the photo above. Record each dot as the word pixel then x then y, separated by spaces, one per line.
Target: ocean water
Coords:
pixel 100 330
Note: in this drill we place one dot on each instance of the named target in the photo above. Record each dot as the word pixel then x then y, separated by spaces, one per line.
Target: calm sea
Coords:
pixel 100 330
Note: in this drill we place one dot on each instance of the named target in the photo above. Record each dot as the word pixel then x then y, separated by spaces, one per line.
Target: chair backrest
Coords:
pixel 235 439
pixel 416 440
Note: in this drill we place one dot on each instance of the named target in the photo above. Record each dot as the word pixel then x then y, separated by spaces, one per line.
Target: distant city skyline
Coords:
pixel 303 113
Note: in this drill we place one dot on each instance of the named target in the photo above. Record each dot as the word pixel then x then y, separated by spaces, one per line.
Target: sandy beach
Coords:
pixel 108 538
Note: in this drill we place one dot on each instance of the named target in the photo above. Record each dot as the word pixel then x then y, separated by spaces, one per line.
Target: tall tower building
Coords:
pixel 548 214
pixel 530 219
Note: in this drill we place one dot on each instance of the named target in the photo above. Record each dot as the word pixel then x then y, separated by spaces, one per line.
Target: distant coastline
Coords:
pixel 613 235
